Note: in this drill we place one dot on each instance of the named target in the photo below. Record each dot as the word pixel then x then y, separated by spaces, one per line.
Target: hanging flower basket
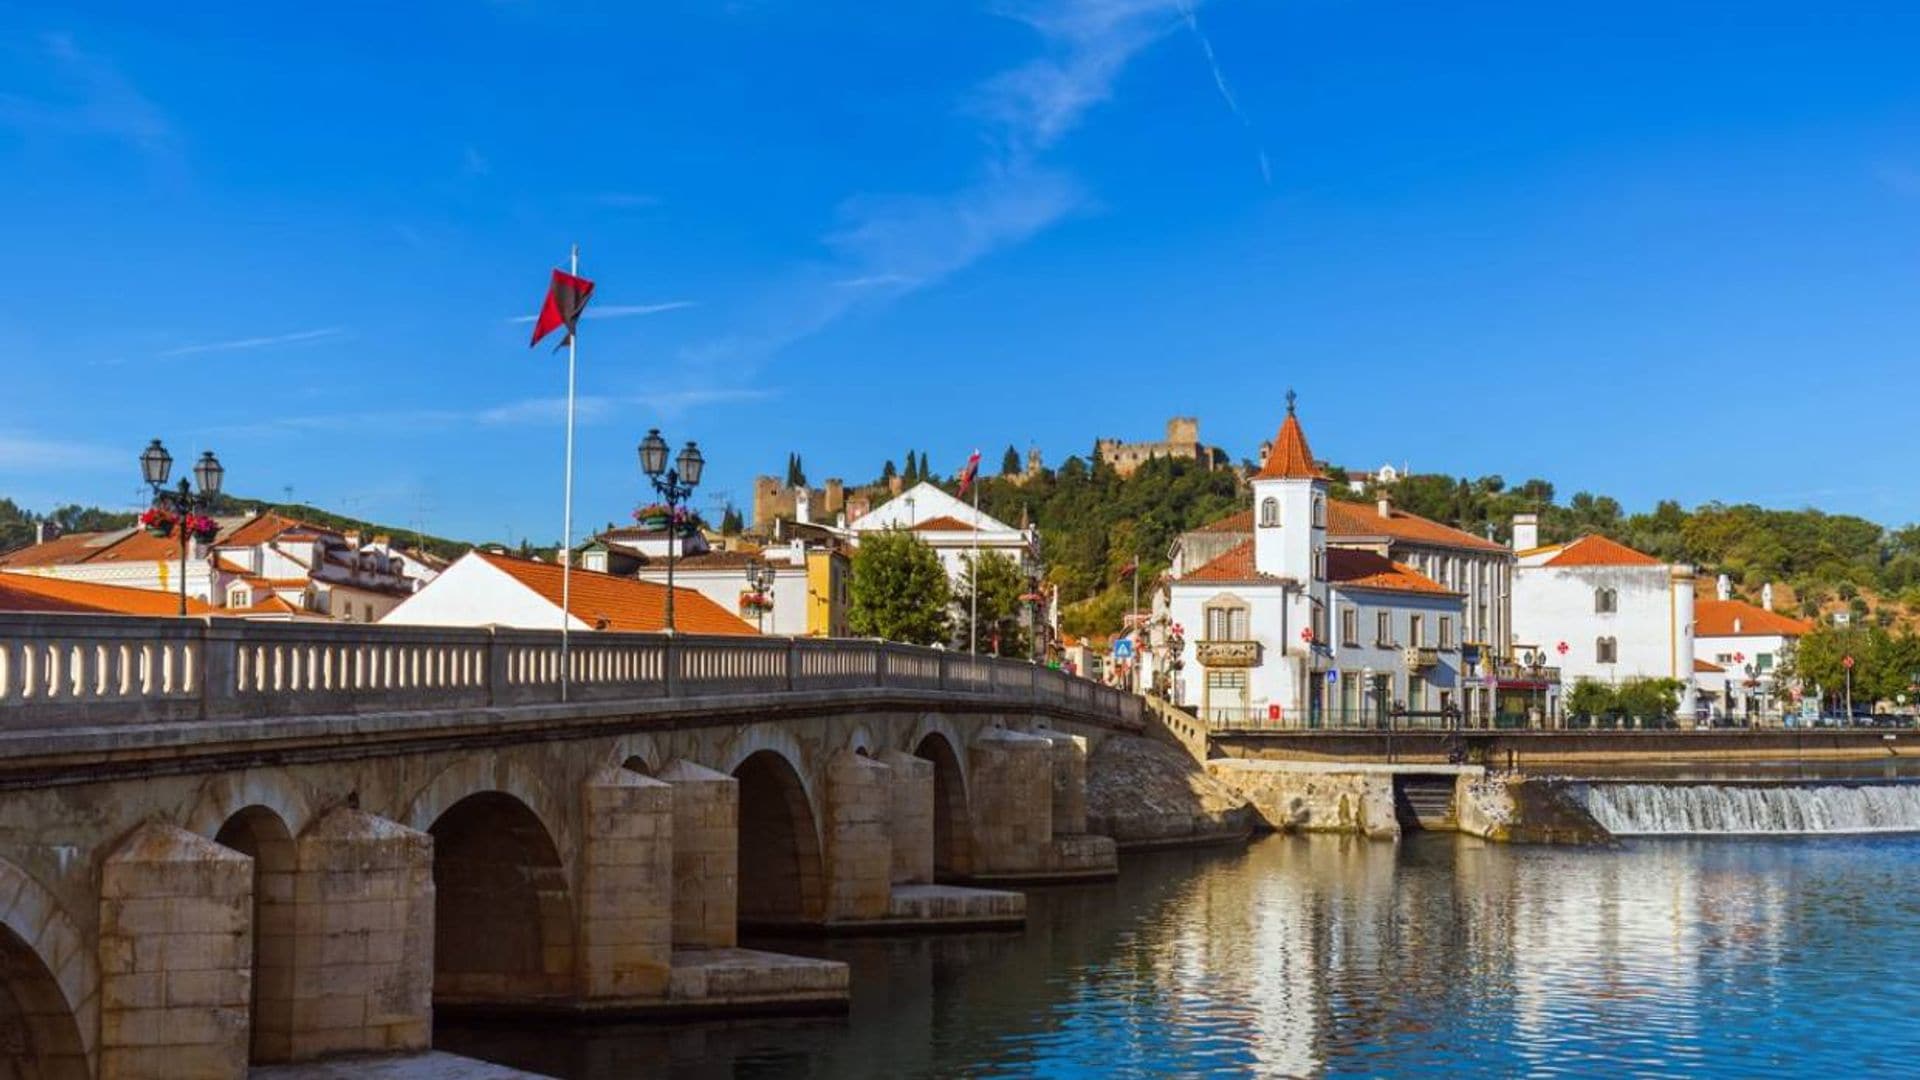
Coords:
pixel 201 527
pixel 158 521
pixel 659 517
pixel 753 603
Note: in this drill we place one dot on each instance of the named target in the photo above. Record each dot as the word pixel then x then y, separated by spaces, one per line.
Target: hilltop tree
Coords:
pixel 899 590
pixel 1010 462
pixel 731 523
pixel 924 472
pixel 888 472
pixel 912 474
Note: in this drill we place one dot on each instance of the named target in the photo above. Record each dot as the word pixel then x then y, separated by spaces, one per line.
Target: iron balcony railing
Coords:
pixel 93 669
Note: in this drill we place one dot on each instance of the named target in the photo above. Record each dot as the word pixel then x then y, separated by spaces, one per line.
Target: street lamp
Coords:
pixel 675 485
pixel 760 590
pixel 180 511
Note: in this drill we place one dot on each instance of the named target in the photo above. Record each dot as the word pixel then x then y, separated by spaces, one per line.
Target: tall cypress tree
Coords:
pixel 912 475
pixel 1010 462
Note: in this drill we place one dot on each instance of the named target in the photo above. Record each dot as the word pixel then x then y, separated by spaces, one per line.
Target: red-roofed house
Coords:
pixel 483 588
pixel 1744 643
pixel 1604 611
pixel 1281 627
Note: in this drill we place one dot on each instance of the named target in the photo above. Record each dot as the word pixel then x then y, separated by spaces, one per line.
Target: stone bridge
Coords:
pixel 224 842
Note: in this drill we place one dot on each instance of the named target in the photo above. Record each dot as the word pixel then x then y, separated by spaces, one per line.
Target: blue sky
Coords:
pixel 1651 249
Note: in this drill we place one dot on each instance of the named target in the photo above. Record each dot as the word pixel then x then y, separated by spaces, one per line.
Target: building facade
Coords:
pixel 1604 611
pixel 483 588
pixel 1738 647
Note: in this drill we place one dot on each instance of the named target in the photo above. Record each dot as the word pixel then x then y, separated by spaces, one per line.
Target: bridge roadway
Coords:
pixel 226 842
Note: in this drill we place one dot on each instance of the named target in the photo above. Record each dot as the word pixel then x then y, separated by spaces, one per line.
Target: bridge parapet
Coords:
pixel 58 670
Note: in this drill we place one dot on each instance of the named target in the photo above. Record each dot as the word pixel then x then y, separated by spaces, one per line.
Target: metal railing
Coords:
pixel 59 670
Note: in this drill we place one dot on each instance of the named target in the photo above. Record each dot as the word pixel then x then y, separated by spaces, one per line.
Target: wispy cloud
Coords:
pixel 588 409
pixel 874 281
pixel 101 101
pixel 621 311
pixel 21 452
pixel 1192 20
pixel 239 344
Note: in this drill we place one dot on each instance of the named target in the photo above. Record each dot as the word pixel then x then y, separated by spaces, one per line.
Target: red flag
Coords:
pixel 566 299
pixel 966 476
pixel 1131 568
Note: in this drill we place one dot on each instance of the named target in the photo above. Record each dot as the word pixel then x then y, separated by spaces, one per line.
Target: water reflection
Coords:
pixel 1327 956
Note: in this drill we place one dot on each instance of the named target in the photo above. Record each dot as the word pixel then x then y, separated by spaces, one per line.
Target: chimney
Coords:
pixel 1723 588
pixel 1766 596
pixel 1526 531
pixel 353 539
pixel 40 532
pixel 1385 505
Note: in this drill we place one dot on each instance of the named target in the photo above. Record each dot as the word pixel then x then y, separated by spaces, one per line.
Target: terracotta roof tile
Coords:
pixel 1706 667
pixel 1241 522
pixel 31 592
pixel 1289 457
pixel 263 527
pixel 619 603
pixel 1363 519
pixel 1235 564
pixel 1716 618
pixel 1595 550
pixel 64 550
pixel 1366 570
pixel 943 524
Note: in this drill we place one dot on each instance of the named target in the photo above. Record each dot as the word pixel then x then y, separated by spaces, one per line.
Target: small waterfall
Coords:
pixel 1750 809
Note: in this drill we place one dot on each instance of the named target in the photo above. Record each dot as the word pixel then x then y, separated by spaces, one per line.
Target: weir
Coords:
pixel 1750 809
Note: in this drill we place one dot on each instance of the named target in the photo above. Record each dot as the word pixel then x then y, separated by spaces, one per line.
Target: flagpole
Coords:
pixel 973 589
pixel 566 530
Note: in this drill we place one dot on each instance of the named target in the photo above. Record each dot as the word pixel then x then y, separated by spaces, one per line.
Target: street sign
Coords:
pixel 1123 648
pixel 1846 661
pixel 1333 675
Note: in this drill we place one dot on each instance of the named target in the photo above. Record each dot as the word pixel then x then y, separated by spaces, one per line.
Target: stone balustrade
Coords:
pixel 57 670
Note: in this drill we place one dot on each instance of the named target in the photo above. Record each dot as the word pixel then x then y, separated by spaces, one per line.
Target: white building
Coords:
pixel 1743 645
pixel 262 566
pixel 1603 611
pixel 484 588
pixel 806 592
pixel 952 528
pixel 1259 643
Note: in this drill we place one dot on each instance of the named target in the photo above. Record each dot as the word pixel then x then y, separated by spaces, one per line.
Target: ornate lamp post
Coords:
pixel 760 591
pixel 180 511
pixel 675 485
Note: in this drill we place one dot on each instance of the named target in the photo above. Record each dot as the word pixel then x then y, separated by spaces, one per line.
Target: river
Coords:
pixel 1327 956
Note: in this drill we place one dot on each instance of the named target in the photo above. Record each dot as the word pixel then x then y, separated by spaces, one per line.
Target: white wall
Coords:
pixel 1652 623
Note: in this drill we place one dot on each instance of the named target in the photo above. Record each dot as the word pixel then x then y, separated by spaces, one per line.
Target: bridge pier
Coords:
pixel 626 886
pixel 706 856
pixel 1030 813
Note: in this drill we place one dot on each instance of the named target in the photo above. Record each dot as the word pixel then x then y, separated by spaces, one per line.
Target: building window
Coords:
pixel 1416 693
pixel 1319 511
pixel 1227 624
pixel 1349 626
pixel 1605 601
pixel 239 596
pixel 1319 564
pixel 1446 631
pixel 1383 628
pixel 1606 651
pixel 1269 512
pixel 1763 661
pixel 1320 625
pixel 1416 630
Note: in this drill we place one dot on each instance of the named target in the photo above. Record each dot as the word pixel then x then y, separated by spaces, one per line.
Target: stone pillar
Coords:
pixel 1069 783
pixel 626 886
pixel 911 819
pixel 362 946
pixel 1012 803
pixel 706 856
pixel 854 818
pixel 176 957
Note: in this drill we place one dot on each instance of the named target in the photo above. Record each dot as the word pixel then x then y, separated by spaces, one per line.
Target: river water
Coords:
pixel 1329 956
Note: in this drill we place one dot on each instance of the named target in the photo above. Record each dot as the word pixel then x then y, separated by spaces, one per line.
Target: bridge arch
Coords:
pixel 640 753
pixel 781 876
pixel 45 973
pixel 502 910
pixel 228 794
pixel 952 808
pixel 262 834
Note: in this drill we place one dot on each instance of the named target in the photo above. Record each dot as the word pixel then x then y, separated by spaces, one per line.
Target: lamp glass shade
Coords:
pixel 653 453
pixel 208 472
pixel 690 463
pixel 155 464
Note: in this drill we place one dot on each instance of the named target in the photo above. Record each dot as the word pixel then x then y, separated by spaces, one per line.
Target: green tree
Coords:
pixel 1010 462
pixel 1000 618
pixel 888 472
pixel 1643 698
pixel 1589 698
pixel 912 474
pixel 731 523
pixel 925 473
pixel 899 591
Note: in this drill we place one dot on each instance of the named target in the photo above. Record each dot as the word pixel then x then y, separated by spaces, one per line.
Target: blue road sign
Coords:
pixel 1123 648
pixel 1333 675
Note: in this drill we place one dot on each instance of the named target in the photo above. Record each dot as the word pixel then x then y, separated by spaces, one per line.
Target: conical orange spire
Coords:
pixel 1289 458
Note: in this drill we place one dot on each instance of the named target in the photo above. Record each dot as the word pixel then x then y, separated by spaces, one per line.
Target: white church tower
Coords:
pixel 1290 542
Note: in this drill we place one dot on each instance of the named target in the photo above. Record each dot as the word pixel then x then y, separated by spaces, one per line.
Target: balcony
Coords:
pixel 1507 670
pixel 1228 654
pixel 1419 658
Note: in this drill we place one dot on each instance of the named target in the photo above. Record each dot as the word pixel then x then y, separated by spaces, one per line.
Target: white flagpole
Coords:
pixel 973 590
pixel 566 530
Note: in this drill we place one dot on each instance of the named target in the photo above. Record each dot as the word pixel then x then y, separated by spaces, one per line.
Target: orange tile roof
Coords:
pixel 271 604
pixel 1706 667
pixel 263 527
pixel 619 603
pixel 1235 564
pixel 64 550
pixel 943 524
pixel 141 546
pixel 30 592
pixel 1240 522
pixel 1289 458
pixel 1363 519
pixel 1366 570
pixel 1596 550
pixel 1715 618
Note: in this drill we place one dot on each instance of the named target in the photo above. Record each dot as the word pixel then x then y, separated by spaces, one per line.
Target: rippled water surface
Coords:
pixel 1335 957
